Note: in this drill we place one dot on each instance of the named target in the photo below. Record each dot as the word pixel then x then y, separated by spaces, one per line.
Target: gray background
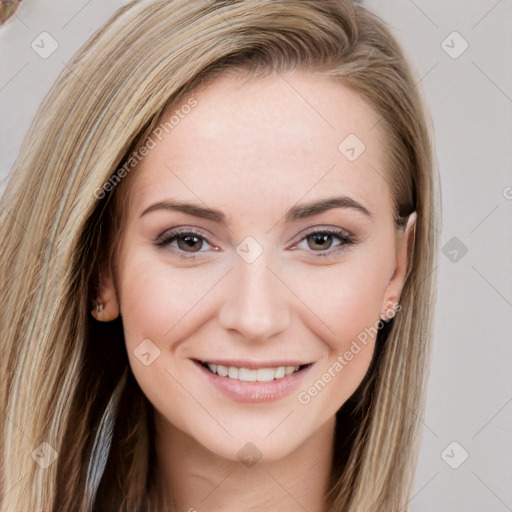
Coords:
pixel 470 97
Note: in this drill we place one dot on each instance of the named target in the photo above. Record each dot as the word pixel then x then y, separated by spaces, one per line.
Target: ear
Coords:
pixel 405 244
pixel 105 303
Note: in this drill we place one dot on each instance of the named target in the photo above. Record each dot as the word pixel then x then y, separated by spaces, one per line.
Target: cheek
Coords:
pixel 157 299
pixel 347 301
pixel 160 304
pixel 344 298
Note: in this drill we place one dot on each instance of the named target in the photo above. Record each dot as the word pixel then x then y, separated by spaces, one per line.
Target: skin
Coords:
pixel 254 150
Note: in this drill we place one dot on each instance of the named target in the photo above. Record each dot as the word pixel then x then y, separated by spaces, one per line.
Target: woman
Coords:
pixel 218 268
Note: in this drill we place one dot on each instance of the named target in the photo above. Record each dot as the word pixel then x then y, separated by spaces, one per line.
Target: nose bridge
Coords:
pixel 257 304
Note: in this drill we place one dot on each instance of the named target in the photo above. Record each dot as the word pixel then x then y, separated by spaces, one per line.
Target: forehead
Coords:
pixel 273 139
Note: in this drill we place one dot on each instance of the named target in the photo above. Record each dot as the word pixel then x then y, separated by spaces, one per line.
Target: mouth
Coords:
pixel 254 374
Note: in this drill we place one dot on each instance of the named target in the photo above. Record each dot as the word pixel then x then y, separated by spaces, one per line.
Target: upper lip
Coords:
pixel 253 365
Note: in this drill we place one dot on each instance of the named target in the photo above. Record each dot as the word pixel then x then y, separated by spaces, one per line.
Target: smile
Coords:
pixel 252 375
pixel 252 382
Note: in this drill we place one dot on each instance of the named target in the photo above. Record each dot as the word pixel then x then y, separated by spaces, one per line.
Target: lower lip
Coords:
pixel 255 392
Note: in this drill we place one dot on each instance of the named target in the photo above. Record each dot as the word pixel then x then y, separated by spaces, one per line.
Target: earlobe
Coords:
pixel 390 310
pixel 106 305
pixel 391 303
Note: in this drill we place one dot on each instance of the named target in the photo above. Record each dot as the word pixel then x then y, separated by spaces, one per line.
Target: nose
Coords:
pixel 255 303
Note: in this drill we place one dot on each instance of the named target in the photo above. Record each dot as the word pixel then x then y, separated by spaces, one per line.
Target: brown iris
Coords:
pixel 187 242
pixel 320 239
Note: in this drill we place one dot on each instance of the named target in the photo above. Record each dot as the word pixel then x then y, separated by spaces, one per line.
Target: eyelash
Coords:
pixel 343 237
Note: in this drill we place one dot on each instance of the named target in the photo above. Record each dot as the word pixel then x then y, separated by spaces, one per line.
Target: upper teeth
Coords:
pixel 246 375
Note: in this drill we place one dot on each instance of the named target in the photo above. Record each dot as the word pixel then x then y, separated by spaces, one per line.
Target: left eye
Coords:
pixel 322 241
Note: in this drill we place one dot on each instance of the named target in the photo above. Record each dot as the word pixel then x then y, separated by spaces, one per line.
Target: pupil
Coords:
pixel 189 241
pixel 321 239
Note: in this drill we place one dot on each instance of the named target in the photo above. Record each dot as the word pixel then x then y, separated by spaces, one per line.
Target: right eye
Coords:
pixel 185 243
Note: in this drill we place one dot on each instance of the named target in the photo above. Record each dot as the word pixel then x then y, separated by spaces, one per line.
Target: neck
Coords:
pixel 199 480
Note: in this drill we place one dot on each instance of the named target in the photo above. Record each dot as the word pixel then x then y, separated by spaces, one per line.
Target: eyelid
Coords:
pixel 182 231
pixel 325 229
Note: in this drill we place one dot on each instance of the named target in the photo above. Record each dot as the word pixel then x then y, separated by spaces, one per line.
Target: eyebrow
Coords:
pixel 295 213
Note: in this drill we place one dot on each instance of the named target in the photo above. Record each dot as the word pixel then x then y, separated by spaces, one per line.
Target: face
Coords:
pixel 258 241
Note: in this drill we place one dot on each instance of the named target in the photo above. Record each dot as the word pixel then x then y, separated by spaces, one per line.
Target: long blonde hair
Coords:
pixel 59 367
